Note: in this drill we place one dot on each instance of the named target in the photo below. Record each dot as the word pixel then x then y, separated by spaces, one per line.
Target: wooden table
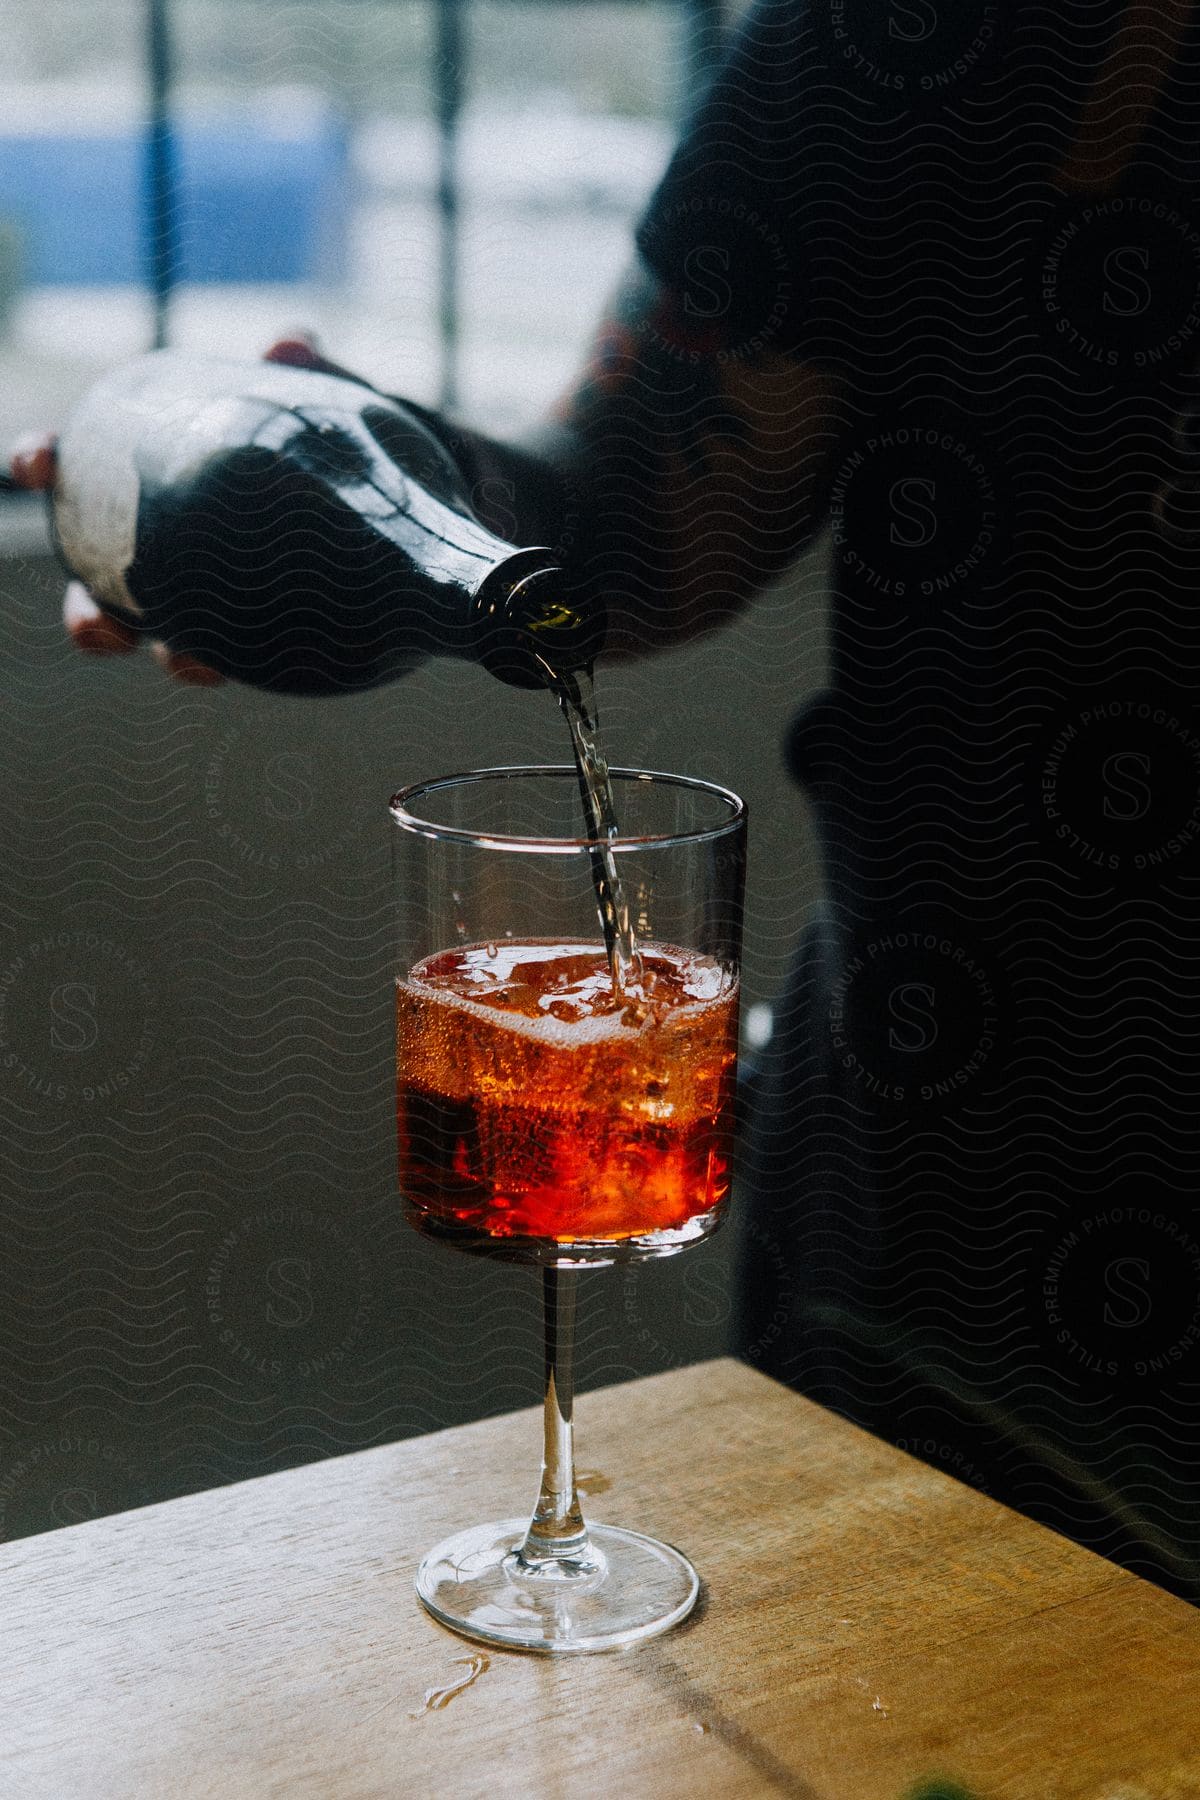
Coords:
pixel 870 1630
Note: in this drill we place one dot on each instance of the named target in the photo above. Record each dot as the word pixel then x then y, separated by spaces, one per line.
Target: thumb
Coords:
pixel 33 461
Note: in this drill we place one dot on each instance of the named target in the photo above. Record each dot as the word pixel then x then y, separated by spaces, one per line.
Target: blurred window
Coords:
pixel 442 189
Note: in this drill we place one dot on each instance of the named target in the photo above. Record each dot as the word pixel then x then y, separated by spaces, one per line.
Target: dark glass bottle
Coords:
pixel 297 531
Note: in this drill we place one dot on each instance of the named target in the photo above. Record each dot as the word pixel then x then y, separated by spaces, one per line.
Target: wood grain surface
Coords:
pixel 869 1630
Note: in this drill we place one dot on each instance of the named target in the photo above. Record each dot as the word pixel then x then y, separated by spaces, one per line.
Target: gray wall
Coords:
pixel 205 1275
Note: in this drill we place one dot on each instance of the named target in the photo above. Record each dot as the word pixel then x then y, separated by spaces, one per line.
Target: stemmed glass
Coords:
pixel 544 1119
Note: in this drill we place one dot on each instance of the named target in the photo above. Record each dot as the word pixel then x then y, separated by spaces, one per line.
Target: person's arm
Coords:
pixel 675 480
pixel 679 477
pixel 690 463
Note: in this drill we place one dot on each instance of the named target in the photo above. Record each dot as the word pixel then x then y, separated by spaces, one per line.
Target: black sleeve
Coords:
pixel 840 139
pixel 723 231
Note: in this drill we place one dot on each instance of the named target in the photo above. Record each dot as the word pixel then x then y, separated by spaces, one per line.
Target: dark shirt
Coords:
pixel 969 1207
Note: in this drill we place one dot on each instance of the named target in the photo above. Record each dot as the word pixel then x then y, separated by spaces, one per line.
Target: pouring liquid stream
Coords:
pixel 576 694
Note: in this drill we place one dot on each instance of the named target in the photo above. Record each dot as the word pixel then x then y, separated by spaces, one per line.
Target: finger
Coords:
pixel 300 350
pixel 189 671
pixel 33 461
pixel 91 630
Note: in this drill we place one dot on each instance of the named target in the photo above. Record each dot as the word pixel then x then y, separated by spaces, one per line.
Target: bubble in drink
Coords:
pixel 533 1102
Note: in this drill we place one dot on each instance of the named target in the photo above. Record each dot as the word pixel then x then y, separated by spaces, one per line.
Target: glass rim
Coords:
pixel 400 803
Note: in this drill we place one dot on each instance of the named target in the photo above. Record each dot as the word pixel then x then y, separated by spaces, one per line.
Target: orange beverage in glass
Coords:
pixel 534 1104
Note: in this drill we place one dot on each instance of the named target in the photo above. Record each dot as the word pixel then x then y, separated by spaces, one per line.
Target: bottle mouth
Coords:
pixel 531 626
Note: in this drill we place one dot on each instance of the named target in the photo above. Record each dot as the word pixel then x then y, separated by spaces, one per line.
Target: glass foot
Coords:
pixel 630 1587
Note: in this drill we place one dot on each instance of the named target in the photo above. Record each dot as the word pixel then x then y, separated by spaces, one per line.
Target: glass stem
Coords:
pixel 557 1533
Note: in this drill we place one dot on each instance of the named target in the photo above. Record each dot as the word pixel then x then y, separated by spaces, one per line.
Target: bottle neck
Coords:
pixel 528 626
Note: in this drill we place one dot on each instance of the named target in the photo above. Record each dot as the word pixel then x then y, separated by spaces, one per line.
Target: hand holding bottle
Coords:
pixel 33 465
pixel 290 527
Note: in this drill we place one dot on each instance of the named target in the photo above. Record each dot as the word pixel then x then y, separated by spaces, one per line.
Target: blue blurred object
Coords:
pixel 255 204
